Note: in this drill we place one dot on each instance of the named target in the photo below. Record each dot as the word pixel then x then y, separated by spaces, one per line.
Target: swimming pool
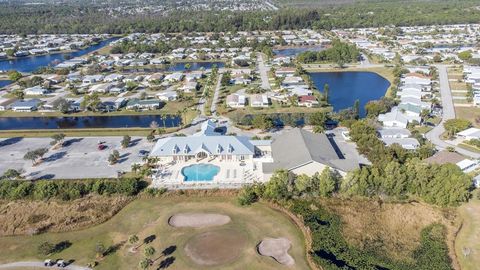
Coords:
pixel 200 172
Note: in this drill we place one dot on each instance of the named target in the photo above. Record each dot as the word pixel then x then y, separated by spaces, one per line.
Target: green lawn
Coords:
pixel 468 237
pixel 149 216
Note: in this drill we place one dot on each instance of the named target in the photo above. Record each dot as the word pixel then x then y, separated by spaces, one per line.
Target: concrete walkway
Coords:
pixel 35 265
pixel 448 113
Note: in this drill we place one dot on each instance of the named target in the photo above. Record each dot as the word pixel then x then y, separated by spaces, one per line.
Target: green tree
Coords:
pixel 149 251
pixel 453 126
pixel 144 263
pixel 58 139
pixel 326 90
pixel 262 122
pixel 45 248
pixel 465 55
pixel 14 75
pixel 327 182
pixel 150 137
pixel 279 187
pixel 126 141
pixel 11 174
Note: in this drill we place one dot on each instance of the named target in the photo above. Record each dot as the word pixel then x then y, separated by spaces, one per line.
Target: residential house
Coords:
pixel 236 101
pixel 167 95
pixel 25 105
pixel 36 91
pixel 307 101
pixel 147 104
pixel 259 101
pixel 395 118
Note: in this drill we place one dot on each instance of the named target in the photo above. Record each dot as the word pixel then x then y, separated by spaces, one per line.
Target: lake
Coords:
pixel 72 122
pixel 346 87
pixel 32 63
pixel 294 51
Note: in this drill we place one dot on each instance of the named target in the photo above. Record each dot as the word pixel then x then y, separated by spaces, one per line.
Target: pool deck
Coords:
pixel 231 174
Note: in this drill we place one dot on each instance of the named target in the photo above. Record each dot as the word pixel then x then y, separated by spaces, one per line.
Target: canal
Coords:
pixel 71 122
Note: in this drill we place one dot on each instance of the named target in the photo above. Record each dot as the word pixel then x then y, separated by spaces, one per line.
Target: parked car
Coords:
pixel 102 147
pixel 48 262
pixel 143 153
pixel 61 263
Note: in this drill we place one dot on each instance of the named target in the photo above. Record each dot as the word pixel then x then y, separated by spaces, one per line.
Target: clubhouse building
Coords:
pixel 210 159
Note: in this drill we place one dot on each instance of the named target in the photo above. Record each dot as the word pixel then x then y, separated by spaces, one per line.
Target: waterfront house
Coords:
pixel 174 77
pixel 5 103
pixel 236 101
pixel 307 101
pixel 259 101
pixel 25 105
pixel 395 118
pixel 147 104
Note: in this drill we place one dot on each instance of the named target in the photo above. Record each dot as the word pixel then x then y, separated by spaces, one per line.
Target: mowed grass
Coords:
pixel 468 237
pixel 468 113
pixel 149 216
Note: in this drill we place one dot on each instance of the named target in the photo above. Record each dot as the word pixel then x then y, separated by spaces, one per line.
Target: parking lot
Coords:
pixel 78 158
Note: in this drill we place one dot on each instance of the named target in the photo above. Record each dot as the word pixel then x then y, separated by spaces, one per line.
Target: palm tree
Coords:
pixel 135 168
pixel 149 251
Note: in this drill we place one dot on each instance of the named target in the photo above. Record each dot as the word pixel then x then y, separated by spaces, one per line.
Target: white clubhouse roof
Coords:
pixel 192 145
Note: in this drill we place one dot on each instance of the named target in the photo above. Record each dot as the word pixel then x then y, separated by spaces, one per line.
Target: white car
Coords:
pixel 48 262
pixel 61 263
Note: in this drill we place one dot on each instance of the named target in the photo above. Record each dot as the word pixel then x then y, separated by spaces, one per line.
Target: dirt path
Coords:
pixel 467 244
pixel 37 265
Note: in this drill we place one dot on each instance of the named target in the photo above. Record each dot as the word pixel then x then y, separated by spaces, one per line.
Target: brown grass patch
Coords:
pixel 33 217
pixel 392 228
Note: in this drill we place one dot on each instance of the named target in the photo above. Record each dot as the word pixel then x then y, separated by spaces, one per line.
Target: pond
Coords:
pixel 72 122
pixel 294 51
pixel 347 87
pixel 32 63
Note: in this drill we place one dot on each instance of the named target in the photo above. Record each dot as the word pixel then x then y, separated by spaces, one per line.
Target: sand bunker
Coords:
pixel 216 247
pixel 276 248
pixel 198 220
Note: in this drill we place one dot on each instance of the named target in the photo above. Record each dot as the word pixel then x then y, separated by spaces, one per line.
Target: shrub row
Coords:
pixel 68 189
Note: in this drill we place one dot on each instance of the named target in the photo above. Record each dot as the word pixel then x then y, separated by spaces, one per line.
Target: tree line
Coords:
pixel 68 189
pixel 83 18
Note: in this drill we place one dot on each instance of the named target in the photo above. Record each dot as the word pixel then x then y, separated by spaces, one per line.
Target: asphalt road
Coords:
pixel 213 108
pixel 448 113
pixel 38 265
pixel 263 70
